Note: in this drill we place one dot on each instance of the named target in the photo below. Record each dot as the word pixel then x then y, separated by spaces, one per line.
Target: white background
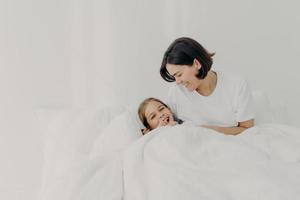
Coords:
pixel 63 53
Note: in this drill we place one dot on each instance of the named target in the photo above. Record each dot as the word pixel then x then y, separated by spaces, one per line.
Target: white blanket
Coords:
pixel 182 162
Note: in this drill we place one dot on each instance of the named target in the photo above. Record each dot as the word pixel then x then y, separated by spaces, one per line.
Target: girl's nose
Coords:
pixel 162 115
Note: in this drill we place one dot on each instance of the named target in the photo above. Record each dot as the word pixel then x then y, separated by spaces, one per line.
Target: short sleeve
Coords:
pixel 244 110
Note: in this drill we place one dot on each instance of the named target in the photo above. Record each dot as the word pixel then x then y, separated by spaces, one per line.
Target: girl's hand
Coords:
pixel 145 131
pixel 162 122
pixel 172 123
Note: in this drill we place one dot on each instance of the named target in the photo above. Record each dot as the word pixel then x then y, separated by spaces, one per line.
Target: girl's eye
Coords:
pixel 152 117
pixel 161 108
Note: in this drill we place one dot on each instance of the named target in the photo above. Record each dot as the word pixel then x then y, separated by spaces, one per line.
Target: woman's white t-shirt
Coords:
pixel 230 102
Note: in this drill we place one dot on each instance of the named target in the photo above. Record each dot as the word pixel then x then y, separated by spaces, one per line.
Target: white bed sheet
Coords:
pixel 195 163
pixel 169 163
pixel 185 162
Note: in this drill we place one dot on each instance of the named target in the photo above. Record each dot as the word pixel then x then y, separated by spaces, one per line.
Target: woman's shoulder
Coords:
pixel 230 77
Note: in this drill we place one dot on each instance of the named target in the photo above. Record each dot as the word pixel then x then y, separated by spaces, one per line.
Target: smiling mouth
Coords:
pixel 168 119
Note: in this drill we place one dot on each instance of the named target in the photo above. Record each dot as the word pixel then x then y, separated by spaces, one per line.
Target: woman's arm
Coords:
pixel 233 130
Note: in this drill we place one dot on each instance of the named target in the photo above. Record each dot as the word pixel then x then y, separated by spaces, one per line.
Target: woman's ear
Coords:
pixel 197 64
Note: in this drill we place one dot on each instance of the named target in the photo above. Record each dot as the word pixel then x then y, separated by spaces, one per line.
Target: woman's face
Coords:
pixel 158 115
pixel 185 75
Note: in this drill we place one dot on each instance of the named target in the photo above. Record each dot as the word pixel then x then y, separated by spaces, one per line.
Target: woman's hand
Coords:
pixel 235 130
pixel 216 128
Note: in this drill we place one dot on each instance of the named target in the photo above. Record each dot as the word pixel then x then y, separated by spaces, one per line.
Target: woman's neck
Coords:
pixel 208 84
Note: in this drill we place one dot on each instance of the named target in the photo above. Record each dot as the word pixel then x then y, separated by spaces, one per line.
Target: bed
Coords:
pixel 94 154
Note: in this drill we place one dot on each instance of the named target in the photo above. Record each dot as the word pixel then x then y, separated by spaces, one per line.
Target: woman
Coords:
pixel 154 113
pixel 217 100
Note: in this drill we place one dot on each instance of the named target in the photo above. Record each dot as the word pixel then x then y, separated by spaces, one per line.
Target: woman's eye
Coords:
pixel 152 117
pixel 161 108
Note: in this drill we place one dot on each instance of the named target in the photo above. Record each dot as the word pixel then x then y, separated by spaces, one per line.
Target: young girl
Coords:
pixel 154 113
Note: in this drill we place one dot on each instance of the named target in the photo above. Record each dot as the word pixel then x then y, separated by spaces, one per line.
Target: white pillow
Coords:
pixel 69 135
pixel 122 130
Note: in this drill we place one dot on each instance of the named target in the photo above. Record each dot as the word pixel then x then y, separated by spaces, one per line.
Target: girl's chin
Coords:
pixel 172 122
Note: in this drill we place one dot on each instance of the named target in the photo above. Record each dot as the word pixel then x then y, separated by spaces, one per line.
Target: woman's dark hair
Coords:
pixel 183 51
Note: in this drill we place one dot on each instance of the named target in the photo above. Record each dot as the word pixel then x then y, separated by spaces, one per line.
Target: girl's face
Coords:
pixel 185 75
pixel 158 115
